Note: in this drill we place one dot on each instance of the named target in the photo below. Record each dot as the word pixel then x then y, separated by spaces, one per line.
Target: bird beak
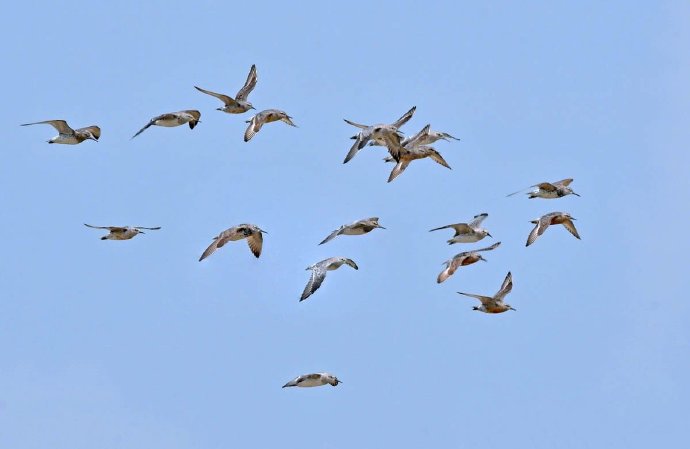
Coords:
pixel 252 107
pixel 489 235
pixel 576 194
pixel 263 231
pixel 511 308
pixel 573 218
pixel 142 232
pixel 379 226
pixel 482 259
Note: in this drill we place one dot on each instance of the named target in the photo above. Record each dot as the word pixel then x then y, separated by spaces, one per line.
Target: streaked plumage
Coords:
pixel 313 380
pixel 405 156
pixel 252 233
pixel 239 104
pixel 461 260
pixel 358 227
pixel 319 270
pixel 554 218
pixel 495 304
pixel 171 119
pixel 387 135
pixel 550 190
pixel 263 117
pixel 68 135
pixel 122 232
pixel 467 232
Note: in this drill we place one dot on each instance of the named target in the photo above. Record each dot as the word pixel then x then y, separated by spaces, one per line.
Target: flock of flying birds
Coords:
pixel 402 150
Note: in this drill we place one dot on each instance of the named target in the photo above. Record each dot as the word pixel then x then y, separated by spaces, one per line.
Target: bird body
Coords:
pixel 239 104
pixel 461 260
pixel 263 117
pixel 313 380
pixel 358 227
pixel 252 233
pixel 384 134
pixel 405 156
pixel 319 270
pixel 550 190
pixel 553 218
pixel 172 119
pixel 495 304
pixel 122 232
pixel 467 232
pixel 68 135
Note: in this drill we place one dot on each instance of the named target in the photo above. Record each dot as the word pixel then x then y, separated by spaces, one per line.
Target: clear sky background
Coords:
pixel 135 344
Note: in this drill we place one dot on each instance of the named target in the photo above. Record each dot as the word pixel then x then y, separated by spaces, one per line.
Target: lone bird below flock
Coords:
pixel 122 232
pixel 467 232
pixel 239 104
pixel 463 259
pixel 171 119
pixel 387 135
pixel 550 190
pixel 319 270
pixel 313 380
pixel 263 117
pixel 357 228
pixel 553 218
pixel 252 233
pixel 495 304
pixel 68 135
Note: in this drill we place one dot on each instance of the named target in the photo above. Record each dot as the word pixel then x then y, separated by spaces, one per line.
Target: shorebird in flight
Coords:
pixel 122 232
pixel 554 218
pixel 252 233
pixel 495 304
pixel 173 119
pixel 467 232
pixel 405 156
pixel 461 260
pixel 319 270
pixel 313 380
pixel 359 227
pixel 387 135
pixel 549 190
pixel 68 135
pixel 239 104
pixel 427 139
pixel 263 117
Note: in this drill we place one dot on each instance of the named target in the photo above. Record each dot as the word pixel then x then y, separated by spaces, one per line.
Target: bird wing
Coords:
pixel 405 118
pixel 93 129
pixel 460 228
pixel 255 125
pixel 153 120
pixel 399 168
pixel 255 242
pixel 415 140
pixel 318 274
pixel 60 125
pixel 451 267
pixel 218 242
pixel 488 248
pixel 194 113
pixel 484 299
pixel 355 124
pixel 249 85
pixel 110 228
pixel 506 287
pixel 224 98
pixel 360 141
pixel 539 229
pixel 570 226
pixel 546 186
pixel 351 263
pixel 150 229
pixel 436 157
pixel 332 235
pixel 477 220
pixel 563 182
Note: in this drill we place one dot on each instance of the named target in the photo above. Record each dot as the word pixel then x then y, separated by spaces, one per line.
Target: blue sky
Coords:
pixel 135 344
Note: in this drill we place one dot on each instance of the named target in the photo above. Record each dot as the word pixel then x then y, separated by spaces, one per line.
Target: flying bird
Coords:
pixel 239 104
pixel 467 232
pixel 461 260
pixel 122 232
pixel 263 117
pixel 405 156
pixel 549 190
pixel 358 227
pixel 427 138
pixel 387 135
pixel 252 233
pixel 313 380
pixel 554 218
pixel 495 304
pixel 319 270
pixel 68 135
pixel 173 119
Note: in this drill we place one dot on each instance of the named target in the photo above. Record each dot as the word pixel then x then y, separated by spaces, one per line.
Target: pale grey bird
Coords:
pixel 239 104
pixel 319 270
pixel 467 232
pixel 424 137
pixel 358 227
pixel 553 218
pixel 461 260
pixel 171 119
pixel 387 135
pixel 122 232
pixel 495 304
pixel 68 135
pixel 313 380
pixel 263 117
pixel 252 233
pixel 550 190
pixel 405 156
